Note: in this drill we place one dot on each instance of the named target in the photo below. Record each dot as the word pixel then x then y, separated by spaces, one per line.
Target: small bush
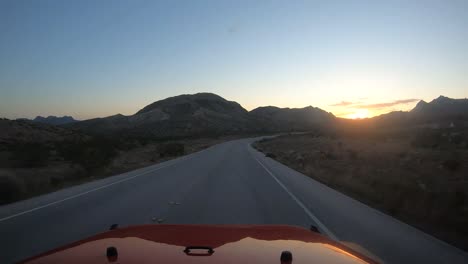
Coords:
pixel 55 181
pixel 457 139
pixel 460 198
pixel 330 156
pixel 451 164
pixel 352 154
pixel 30 155
pixel 270 155
pixel 128 144
pixel 427 139
pixel 402 155
pixel 91 154
pixel 11 189
pixel 172 149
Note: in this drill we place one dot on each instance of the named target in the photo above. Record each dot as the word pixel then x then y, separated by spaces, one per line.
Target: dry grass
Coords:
pixel 157 152
pixel 426 187
pixel 19 180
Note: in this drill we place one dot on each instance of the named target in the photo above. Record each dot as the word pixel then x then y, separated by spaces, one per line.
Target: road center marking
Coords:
pixel 321 226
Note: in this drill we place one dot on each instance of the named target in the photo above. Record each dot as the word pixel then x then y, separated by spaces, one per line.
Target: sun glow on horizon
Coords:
pixel 359 114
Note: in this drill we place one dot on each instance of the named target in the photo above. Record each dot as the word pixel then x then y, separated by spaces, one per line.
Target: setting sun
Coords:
pixel 359 114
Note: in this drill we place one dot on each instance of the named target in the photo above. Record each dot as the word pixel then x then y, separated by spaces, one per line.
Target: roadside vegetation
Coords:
pixel 419 175
pixel 32 168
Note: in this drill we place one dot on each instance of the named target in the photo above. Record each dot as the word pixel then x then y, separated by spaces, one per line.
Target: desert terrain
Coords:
pixel 419 176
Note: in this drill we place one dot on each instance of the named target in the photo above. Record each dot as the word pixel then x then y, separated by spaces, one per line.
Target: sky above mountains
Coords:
pixel 94 58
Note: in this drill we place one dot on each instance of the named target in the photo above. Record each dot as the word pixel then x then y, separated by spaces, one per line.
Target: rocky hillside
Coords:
pixel 440 112
pixel 204 114
pixel 441 109
pixel 180 116
pixel 291 119
pixel 14 132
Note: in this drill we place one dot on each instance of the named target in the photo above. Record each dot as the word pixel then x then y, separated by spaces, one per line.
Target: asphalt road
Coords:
pixel 229 183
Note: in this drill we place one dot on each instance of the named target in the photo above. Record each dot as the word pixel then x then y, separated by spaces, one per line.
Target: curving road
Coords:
pixel 229 183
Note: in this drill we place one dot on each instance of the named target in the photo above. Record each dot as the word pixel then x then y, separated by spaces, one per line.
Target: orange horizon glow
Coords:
pixel 370 108
pixel 359 114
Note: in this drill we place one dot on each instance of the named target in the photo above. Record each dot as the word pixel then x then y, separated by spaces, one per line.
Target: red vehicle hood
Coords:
pixel 230 244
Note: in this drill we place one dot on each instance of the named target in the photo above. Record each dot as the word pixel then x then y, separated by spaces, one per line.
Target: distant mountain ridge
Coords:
pixel 178 116
pixel 204 114
pixel 442 110
pixel 292 119
pixel 55 120
pixel 207 114
pixel 441 106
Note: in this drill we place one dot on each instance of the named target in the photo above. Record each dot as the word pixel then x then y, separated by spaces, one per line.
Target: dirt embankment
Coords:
pixel 419 179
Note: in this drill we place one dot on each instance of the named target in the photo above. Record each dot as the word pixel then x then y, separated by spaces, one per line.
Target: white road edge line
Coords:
pixel 95 189
pixel 321 226
pixel 432 238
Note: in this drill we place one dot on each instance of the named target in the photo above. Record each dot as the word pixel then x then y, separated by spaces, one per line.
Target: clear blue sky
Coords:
pixel 97 58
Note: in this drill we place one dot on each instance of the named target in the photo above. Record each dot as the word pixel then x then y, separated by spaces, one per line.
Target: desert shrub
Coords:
pixel 460 198
pixel 98 155
pixel 457 139
pixel 257 147
pixel 427 139
pixel 128 144
pixel 11 189
pixel 172 149
pixel 55 181
pixel 90 154
pixel 353 155
pixel 395 203
pixel 264 140
pixel 451 164
pixel 30 155
pixel 270 155
pixel 402 154
pixel 329 155
pixel 144 141
pixel 340 144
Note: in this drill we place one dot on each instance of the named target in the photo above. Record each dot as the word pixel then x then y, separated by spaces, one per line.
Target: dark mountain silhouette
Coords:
pixel 201 114
pixel 442 111
pixel 291 119
pixel 55 120
pixel 204 114
pixel 188 104
pixel 441 108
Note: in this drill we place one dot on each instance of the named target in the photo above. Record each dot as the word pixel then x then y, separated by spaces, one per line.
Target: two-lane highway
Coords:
pixel 229 183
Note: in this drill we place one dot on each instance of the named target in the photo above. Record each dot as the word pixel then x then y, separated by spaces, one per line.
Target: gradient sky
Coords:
pixel 353 58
